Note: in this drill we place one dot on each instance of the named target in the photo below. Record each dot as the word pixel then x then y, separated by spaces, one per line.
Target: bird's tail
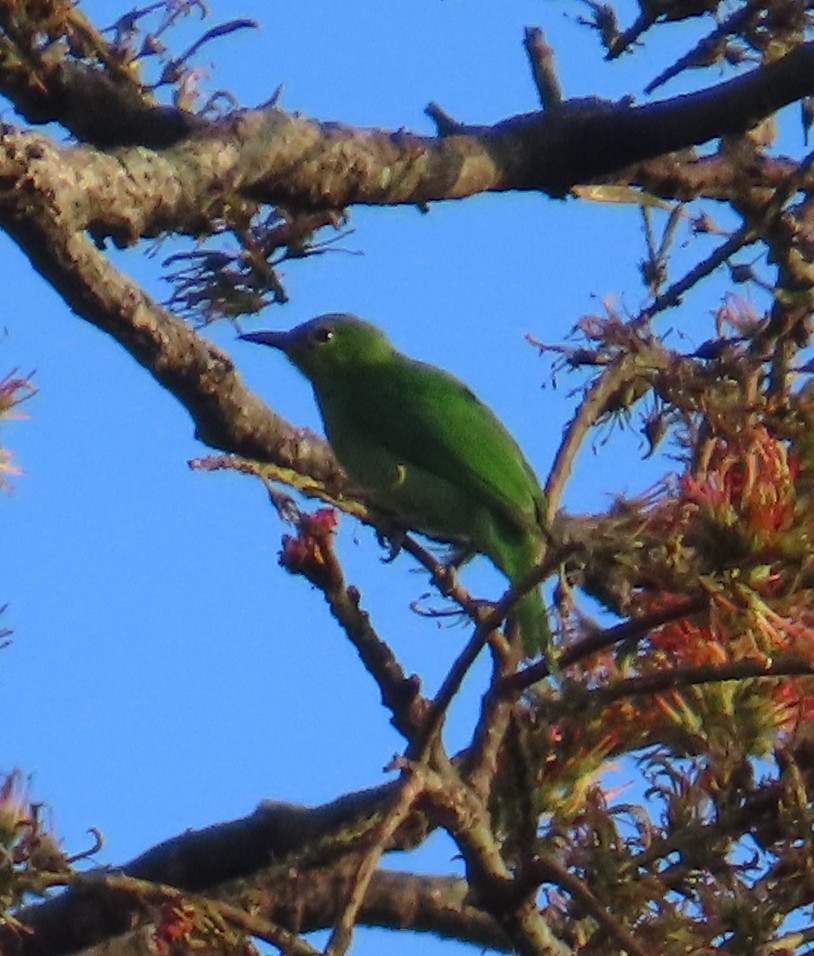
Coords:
pixel 530 616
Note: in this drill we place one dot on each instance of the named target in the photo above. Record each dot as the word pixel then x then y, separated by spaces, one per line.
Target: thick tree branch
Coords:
pixel 302 894
pixel 270 156
pixel 226 414
pixel 686 177
pixel 98 107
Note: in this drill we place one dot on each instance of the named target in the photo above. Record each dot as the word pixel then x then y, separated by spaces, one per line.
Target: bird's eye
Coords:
pixel 323 334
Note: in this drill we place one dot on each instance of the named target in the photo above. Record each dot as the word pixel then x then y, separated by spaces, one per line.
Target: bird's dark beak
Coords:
pixel 277 340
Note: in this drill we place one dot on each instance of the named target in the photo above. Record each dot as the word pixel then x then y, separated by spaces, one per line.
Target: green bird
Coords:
pixel 424 448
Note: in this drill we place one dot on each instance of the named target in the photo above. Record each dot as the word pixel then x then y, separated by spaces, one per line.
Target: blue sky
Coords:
pixel 165 672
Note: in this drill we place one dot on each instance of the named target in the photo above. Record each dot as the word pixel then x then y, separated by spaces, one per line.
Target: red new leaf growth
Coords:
pixel 308 551
pixel 751 522
pixel 175 928
pixel 738 527
pixel 746 513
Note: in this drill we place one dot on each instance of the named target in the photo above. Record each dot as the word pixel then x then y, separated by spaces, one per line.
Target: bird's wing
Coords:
pixel 427 417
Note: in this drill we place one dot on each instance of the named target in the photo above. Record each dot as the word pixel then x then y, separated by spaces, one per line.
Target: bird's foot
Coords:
pixel 392 542
pixel 459 555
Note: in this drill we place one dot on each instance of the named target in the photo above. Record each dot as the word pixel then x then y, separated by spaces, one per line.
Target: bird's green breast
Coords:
pixel 427 450
pixel 421 499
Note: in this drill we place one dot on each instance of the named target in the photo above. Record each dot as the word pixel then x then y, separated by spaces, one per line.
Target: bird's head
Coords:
pixel 328 344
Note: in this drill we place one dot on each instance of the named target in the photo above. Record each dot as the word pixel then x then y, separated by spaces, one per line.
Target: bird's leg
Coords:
pixel 392 540
pixel 460 554
pixel 445 576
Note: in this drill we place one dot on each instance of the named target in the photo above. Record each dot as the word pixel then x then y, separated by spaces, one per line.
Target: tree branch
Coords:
pixel 276 841
pixel 269 156
pixel 226 414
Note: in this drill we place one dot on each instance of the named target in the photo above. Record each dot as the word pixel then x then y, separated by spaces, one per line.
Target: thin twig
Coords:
pixel 707 44
pixel 541 57
pixel 550 871
pixel 313 556
pixel 633 629
pixel 744 236
pixel 791 306
pixel 483 756
pixel 223 29
pixel 487 625
pixel 628 37
pixel 592 407
pixel 341 936
pixel 675 678
pixel 450 686
pixel 442 576
pixel 444 123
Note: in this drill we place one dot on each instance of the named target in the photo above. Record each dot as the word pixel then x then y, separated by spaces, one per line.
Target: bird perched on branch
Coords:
pixel 424 448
